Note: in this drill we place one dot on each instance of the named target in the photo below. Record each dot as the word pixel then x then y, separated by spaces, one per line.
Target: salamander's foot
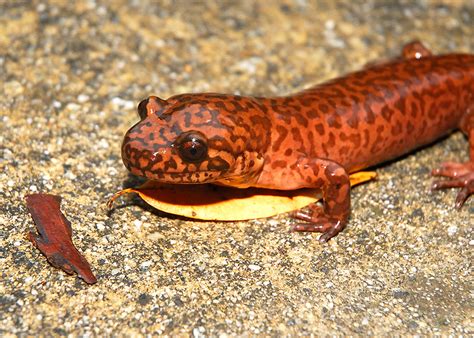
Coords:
pixel 461 176
pixel 318 221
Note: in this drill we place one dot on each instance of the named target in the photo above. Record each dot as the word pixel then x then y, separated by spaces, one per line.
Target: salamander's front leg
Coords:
pixel 335 185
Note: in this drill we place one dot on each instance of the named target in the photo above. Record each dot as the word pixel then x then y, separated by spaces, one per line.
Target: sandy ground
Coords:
pixel 71 76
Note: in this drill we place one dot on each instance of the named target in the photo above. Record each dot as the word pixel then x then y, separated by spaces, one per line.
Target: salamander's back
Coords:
pixel 378 113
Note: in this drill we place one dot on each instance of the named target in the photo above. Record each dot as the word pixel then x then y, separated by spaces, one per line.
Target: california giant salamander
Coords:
pixel 314 138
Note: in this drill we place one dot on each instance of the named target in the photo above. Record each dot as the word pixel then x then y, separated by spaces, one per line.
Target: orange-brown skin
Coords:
pixel 314 138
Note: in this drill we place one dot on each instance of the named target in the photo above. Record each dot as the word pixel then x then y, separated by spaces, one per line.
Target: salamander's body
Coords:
pixel 314 138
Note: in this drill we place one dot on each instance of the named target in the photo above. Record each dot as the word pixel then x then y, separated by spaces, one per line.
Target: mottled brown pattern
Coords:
pixel 341 126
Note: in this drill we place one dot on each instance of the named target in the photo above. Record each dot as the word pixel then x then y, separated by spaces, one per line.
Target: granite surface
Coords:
pixel 71 74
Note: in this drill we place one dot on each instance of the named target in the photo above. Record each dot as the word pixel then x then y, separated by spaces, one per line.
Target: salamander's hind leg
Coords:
pixel 335 185
pixel 461 175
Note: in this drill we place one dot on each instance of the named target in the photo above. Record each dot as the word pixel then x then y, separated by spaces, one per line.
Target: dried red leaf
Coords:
pixel 54 239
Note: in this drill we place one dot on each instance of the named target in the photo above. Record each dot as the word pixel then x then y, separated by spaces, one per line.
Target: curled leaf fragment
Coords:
pixel 54 239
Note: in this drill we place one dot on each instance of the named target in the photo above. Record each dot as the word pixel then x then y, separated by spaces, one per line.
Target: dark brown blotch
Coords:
pixel 282 133
pixel 333 121
pixel 279 164
pixel 331 140
pixel 320 129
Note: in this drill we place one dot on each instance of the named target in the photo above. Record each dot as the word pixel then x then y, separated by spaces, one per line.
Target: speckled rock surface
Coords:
pixel 71 76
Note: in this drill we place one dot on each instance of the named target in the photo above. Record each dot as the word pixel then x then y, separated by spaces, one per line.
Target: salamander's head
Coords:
pixel 198 138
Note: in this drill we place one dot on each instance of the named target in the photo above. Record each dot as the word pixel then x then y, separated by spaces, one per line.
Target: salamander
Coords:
pixel 314 138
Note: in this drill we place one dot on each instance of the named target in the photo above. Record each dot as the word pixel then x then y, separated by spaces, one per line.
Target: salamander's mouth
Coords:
pixel 164 163
pixel 164 168
pixel 177 177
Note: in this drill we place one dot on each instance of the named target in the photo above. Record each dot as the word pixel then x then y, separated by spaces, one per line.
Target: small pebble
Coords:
pixel 254 267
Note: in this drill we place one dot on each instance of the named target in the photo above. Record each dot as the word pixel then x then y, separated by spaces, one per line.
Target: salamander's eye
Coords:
pixel 192 147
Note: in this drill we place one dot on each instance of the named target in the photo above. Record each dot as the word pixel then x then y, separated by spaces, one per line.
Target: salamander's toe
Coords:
pixel 460 175
pixel 453 169
pixel 328 228
pixel 465 193
pixel 318 221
